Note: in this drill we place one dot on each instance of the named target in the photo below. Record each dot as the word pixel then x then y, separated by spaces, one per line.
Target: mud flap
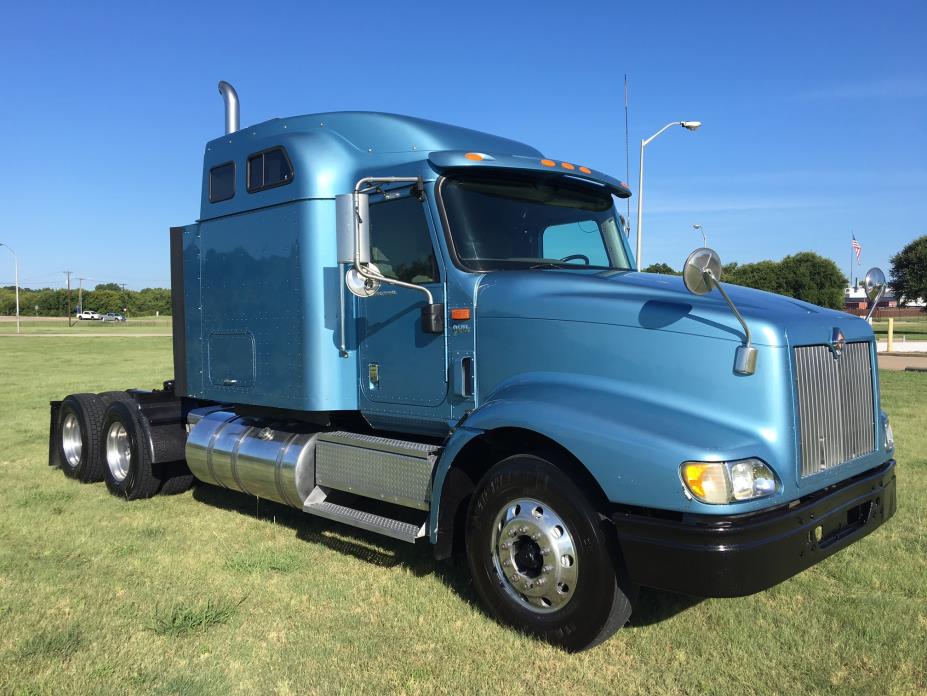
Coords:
pixel 53 455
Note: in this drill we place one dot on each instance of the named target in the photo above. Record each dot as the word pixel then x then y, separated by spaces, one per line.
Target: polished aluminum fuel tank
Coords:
pixel 245 454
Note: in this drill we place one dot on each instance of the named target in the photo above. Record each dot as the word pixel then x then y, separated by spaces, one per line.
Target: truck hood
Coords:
pixel 660 303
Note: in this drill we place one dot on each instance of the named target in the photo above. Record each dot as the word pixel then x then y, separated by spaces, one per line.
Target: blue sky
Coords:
pixel 813 112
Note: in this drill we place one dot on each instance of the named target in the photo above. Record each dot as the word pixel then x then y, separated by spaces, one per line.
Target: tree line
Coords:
pixel 107 297
pixel 813 278
pixel 805 276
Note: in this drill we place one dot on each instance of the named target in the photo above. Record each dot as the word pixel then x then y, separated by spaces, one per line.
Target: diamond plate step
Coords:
pixel 386 526
pixel 395 471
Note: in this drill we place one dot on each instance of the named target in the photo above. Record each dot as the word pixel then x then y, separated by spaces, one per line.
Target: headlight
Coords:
pixel 889 433
pixel 727 482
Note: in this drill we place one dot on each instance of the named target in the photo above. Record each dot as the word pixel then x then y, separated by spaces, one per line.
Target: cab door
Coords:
pixel 399 362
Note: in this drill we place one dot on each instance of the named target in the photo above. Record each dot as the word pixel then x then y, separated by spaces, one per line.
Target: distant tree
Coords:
pixel 812 278
pixel 909 271
pixel 663 268
pixel 762 275
pixel 115 287
pixel 805 276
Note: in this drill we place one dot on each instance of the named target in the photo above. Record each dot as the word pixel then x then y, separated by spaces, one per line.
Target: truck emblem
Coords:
pixel 837 342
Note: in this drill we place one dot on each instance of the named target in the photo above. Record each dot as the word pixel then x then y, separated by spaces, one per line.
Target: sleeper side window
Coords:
pixel 400 245
pixel 222 182
pixel 268 169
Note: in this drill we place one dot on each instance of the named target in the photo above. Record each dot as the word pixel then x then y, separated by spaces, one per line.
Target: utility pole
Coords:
pixel 68 274
pixel 16 264
pixel 125 304
pixel 80 293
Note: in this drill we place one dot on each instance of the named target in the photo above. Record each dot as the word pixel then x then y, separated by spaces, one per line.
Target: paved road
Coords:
pixel 900 362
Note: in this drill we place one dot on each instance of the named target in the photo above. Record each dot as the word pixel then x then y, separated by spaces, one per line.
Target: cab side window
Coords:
pixel 400 242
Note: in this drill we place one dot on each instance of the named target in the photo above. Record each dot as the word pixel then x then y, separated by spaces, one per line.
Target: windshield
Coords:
pixel 514 222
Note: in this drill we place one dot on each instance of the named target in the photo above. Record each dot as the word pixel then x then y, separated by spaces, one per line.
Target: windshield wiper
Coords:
pixel 546 264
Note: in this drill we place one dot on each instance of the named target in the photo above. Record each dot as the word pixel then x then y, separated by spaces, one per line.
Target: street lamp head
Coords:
pixel 691 125
pixel 696 227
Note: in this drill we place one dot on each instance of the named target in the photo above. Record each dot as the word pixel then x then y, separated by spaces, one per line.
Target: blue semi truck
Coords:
pixel 437 334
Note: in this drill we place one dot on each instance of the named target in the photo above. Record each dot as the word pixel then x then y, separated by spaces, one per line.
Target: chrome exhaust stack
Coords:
pixel 231 106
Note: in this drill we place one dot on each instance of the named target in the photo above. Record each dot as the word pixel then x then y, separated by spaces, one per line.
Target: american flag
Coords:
pixel 857 248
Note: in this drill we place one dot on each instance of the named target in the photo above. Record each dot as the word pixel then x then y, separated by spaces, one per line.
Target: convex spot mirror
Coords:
pixel 361 286
pixel 874 283
pixel 700 262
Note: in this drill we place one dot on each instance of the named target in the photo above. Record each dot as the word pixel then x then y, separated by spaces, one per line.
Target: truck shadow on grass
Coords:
pixel 652 606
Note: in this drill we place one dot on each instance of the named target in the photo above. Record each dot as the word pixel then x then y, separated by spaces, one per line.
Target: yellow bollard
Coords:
pixel 891 334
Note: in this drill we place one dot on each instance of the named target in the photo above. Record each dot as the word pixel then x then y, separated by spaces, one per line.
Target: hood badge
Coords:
pixel 837 342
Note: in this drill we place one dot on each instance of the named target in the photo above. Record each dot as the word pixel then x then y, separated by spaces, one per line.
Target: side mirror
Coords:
pixel 353 227
pixel 433 318
pixel 701 273
pixel 695 272
pixel 874 285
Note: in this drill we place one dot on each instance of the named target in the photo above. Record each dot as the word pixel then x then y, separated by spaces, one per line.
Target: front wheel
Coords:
pixel 539 555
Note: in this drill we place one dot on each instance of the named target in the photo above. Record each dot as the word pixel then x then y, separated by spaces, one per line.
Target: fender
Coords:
pixel 632 443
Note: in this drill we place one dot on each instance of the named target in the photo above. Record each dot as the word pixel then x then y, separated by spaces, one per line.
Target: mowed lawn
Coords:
pixel 211 592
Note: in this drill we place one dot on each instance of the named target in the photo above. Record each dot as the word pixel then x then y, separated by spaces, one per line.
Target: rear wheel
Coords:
pixel 128 470
pixel 539 555
pixel 79 421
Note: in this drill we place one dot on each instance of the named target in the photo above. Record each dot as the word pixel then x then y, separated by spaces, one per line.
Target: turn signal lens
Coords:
pixel 460 314
pixel 567 165
pixel 706 481
pixel 475 156
pixel 889 433
pixel 728 482
pixel 585 170
pixel 548 163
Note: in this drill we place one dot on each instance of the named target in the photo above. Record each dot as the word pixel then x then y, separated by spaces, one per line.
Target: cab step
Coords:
pixel 317 504
pixel 394 471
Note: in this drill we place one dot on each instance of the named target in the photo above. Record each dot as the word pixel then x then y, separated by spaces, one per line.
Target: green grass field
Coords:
pixel 211 592
pixel 914 328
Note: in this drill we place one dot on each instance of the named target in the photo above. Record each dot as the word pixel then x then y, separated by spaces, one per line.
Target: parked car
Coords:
pixel 88 314
pixel 113 316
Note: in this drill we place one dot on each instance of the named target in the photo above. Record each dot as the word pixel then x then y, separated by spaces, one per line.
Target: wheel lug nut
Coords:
pixel 535 536
pixel 547 568
pixel 505 563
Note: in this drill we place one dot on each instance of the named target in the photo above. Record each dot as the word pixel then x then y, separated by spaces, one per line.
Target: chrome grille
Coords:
pixel 835 411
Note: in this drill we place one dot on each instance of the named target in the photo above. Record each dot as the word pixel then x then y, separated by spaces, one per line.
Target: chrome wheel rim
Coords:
pixel 71 441
pixel 118 451
pixel 534 556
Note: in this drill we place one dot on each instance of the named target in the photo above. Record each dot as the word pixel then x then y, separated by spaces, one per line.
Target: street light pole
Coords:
pixel 688 125
pixel 16 264
pixel 698 228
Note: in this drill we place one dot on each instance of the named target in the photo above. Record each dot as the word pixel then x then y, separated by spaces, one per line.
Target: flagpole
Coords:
pixel 850 281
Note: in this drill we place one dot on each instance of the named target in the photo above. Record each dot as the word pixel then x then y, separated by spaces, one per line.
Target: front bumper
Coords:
pixel 736 555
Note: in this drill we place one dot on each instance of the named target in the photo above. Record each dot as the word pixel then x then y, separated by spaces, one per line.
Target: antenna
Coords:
pixel 627 156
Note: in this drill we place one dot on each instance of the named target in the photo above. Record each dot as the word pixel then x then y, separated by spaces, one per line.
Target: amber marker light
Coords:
pixel 585 170
pixel 548 163
pixel 460 314
pixel 475 156
pixel 567 165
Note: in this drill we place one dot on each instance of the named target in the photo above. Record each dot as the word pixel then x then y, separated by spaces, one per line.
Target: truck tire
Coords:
pixel 79 443
pixel 540 558
pixel 128 471
pixel 111 396
pixel 179 479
